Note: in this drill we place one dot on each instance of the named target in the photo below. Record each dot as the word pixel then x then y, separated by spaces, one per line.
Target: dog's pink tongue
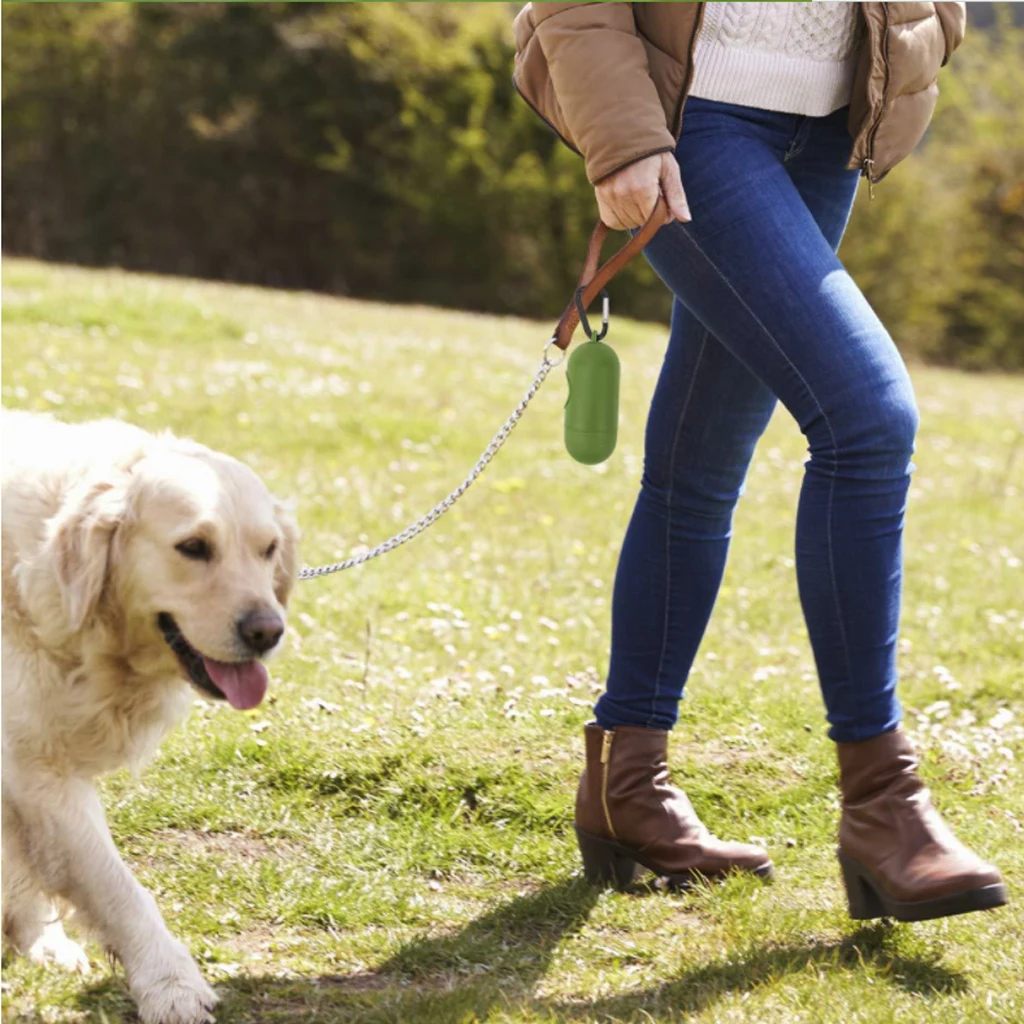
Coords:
pixel 244 683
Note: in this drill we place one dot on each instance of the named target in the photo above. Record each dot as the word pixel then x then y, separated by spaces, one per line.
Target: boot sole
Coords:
pixel 607 862
pixel 869 901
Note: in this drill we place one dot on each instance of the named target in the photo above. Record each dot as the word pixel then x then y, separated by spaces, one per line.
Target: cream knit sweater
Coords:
pixel 792 57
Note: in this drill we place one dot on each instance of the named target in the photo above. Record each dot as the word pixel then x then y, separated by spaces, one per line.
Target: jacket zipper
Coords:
pixel 869 160
pixel 606 756
pixel 697 22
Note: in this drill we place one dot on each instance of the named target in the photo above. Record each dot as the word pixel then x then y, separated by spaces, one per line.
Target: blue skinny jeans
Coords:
pixel 764 311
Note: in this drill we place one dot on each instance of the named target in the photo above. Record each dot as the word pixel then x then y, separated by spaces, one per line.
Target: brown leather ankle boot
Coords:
pixel 898 857
pixel 628 815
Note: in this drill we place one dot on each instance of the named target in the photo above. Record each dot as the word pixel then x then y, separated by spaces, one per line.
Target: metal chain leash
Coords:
pixel 414 529
pixel 592 283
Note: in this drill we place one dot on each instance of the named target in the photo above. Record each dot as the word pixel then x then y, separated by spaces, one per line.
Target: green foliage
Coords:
pixel 940 252
pixel 380 150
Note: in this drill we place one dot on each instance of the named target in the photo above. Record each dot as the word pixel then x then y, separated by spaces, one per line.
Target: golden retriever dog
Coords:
pixel 137 569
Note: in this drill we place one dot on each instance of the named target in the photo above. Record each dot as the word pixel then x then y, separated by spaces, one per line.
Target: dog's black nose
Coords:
pixel 260 630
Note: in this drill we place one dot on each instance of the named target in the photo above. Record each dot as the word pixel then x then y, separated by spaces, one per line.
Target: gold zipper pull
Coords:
pixel 606 747
pixel 866 171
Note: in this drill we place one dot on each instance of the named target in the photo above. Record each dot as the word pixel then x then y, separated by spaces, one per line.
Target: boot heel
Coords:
pixel 604 863
pixel 864 902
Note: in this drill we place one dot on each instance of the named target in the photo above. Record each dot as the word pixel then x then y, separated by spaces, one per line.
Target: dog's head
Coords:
pixel 186 553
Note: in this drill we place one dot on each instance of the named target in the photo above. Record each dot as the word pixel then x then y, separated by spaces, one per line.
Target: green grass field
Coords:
pixel 389 838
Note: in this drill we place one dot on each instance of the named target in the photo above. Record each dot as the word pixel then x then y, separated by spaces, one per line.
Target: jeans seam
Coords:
pixel 792 154
pixel 668 529
pixel 797 145
pixel 835 445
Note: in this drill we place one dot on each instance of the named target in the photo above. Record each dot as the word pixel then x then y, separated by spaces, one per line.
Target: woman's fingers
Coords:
pixel 609 215
pixel 641 202
pixel 627 198
pixel 672 189
pixel 639 193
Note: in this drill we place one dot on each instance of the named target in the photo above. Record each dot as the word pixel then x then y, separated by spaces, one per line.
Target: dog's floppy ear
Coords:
pixel 288 553
pixel 80 538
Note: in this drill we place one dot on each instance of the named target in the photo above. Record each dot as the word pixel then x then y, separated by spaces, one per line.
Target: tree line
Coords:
pixel 380 151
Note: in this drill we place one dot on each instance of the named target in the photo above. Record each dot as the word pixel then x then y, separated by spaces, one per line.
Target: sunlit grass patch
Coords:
pixel 388 839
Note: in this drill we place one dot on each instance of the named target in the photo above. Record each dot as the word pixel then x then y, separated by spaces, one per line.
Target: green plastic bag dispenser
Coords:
pixel 592 407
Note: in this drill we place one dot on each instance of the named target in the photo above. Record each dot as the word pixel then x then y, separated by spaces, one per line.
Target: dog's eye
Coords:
pixel 271 551
pixel 195 548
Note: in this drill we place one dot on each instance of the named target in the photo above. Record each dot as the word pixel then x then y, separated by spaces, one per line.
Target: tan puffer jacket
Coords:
pixel 611 78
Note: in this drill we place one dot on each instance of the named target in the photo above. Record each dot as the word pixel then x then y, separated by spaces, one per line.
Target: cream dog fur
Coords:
pixel 133 566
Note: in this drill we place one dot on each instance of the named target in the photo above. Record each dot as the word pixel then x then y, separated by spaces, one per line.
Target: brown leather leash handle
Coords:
pixel 593 278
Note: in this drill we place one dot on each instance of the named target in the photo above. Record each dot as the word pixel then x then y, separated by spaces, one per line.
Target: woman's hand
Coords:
pixel 627 198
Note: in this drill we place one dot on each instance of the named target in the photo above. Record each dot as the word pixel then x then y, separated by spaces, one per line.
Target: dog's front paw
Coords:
pixel 172 991
pixel 54 947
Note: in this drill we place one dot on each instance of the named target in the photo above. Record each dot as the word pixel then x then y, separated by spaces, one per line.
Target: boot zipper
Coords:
pixel 606 756
pixel 869 160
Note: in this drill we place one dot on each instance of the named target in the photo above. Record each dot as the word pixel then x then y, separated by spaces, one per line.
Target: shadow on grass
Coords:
pixel 496 962
pixel 445 978
pixel 871 947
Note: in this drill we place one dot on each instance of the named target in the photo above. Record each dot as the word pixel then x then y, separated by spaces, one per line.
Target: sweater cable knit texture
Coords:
pixel 794 58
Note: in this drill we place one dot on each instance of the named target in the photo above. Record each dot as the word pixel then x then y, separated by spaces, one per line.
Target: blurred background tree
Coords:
pixel 380 151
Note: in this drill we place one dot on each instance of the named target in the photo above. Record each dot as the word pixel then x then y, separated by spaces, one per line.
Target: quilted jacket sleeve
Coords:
pixel 953 17
pixel 599 71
